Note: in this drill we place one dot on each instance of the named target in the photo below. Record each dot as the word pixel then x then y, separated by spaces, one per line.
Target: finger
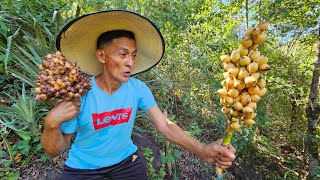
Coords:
pixel 231 148
pixel 78 103
pixel 226 152
pixel 219 141
pixel 223 164
pixel 224 158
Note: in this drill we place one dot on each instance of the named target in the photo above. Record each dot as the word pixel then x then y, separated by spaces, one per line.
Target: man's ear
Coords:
pixel 101 55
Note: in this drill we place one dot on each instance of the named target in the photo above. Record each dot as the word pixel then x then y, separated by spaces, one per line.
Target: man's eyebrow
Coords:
pixel 126 49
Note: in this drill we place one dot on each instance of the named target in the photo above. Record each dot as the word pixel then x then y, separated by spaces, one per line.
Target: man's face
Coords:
pixel 118 58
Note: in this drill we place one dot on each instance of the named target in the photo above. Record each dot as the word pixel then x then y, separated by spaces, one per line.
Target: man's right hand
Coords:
pixel 62 112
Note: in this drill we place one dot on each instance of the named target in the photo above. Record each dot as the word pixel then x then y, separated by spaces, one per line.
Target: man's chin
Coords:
pixel 125 79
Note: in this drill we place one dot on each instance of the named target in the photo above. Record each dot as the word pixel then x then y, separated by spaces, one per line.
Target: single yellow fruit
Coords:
pixel 262 92
pixel 225 58
pixel 253 105
pixel 250 81
pixel 243 51
pixel 237 106
pixel 263 25
pixel 260 39
pixel 243 73
pixel 222 102
pixel 256 75
pixel 249 115
pixel 233 71
pixel 255 98
pixel 247 110
pixel 264 68
pixel 245 99
pixel 261 60
pixel 254 54
pixel 224 110
pixel 223 93
pixel 228 100
pixel 246 41
pixel 235 125
pixel 249 121
pixel 239 84
pixel 234 113
pixel 254 89
pixel 261 83
pixel 228 65
pixel 244 93
pixel 235 56
pixel 223 83
pixel 229 81
pixel 254 46
pixel 233 92
pixel 252 67
pixel 244 61
pixel 255 32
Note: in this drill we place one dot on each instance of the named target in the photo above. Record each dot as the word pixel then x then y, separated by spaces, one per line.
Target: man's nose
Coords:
pixel 130 61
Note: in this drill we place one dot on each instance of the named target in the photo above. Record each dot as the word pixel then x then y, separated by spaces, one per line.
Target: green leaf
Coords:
pixel 3 29
pixel 9 41
pixel 6 163
pixel 163 159
pixel 25 150
pixel 3 154
pixel 9 147
pixel 13 175
pixel 43 158
pixel 23 135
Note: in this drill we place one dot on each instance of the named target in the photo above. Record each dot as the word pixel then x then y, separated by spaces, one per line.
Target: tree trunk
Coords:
pixel 313 111
pixel 247 15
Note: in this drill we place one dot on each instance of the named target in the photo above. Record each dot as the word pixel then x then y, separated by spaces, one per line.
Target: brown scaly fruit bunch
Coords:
pixel 59 78
pixel 244 82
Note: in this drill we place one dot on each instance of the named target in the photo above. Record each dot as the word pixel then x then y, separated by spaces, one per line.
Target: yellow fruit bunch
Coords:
pixel 59 78
pixel 243 83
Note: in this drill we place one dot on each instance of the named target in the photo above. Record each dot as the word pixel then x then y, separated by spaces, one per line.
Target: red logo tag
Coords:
pixel 112 118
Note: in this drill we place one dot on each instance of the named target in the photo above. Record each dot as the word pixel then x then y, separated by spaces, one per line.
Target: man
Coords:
pixel 124 43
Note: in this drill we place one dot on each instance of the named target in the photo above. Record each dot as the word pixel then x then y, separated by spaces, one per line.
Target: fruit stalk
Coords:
pixel 225 141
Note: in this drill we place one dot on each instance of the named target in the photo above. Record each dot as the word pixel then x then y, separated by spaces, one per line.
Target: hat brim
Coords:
pixel 78 39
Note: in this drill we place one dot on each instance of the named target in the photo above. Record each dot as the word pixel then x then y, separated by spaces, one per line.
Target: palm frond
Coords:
pixel 24 115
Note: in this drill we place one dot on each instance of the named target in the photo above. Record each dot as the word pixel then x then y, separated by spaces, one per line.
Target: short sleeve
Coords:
pixel 146 98
pixel 69 127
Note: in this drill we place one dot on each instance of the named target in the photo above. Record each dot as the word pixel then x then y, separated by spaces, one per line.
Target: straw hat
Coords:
pixel 78 39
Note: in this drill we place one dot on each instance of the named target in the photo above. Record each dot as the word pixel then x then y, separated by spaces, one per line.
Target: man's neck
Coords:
pixel 107 84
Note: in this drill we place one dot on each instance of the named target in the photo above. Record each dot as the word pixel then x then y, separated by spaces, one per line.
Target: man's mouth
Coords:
pixel 127 73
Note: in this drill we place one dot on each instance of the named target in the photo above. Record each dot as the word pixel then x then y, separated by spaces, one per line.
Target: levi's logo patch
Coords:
pixel 111 118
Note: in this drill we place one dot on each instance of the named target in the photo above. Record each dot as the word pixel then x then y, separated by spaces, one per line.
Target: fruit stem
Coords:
pixel 226 140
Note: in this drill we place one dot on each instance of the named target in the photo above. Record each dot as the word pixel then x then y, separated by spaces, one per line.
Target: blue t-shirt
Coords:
pixel 105 124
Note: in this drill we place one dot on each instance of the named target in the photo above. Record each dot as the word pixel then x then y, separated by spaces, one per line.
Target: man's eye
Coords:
pixel 122 55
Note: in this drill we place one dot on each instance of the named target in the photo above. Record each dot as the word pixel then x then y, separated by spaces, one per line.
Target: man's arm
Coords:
pixel 213 152
pixel 53 141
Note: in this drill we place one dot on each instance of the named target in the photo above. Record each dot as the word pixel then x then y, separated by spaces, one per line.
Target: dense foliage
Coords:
pixel 185 82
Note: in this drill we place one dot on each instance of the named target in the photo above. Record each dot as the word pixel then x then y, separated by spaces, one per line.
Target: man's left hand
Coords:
pixel 222 155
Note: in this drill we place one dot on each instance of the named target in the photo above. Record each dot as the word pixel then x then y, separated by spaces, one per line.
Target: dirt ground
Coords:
pixel 190 167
